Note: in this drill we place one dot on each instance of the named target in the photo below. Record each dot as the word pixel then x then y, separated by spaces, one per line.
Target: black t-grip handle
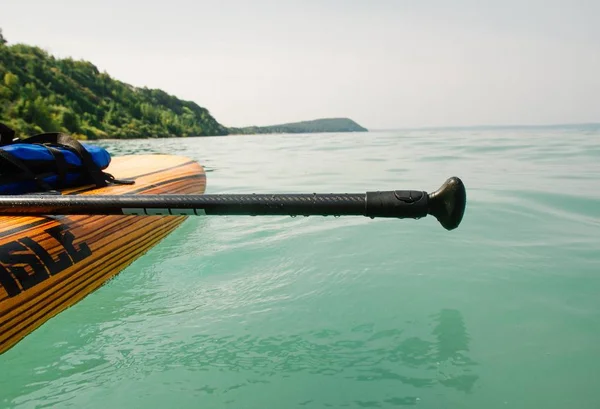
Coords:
pixel 411 204
pixel 447 204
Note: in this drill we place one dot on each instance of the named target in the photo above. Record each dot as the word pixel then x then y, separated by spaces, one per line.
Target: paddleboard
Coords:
pixel 49 263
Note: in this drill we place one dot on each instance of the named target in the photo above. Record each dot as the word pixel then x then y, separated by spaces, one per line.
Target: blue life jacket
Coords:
pixel 48 162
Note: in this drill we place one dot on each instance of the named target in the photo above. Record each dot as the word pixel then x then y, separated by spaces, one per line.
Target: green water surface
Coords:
pixel 281 312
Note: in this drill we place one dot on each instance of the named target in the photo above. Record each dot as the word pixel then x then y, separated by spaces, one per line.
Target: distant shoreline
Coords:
pixel 323 125
pixel 591 125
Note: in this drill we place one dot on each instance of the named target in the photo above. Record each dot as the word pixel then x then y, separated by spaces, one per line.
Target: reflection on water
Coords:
pixel 359 354
pixel 445 358
pixel 363 354
pixel 452 347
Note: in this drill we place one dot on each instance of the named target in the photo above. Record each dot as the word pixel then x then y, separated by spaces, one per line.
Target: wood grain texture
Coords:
pixel 49 263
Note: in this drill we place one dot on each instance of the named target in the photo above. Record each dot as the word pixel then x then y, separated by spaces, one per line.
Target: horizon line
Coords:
pixel 435 127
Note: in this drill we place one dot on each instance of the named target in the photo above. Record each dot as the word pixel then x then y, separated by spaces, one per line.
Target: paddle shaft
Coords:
pixel 447 204
pixel 399 204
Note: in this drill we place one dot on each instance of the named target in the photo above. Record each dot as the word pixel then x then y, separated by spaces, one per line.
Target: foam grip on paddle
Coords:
pixel 400 204
pixel 447 204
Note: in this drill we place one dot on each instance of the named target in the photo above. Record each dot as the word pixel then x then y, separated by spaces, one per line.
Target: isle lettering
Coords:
pixel 25 263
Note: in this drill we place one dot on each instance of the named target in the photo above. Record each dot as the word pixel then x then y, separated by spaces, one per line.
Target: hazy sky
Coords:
pixel 383 63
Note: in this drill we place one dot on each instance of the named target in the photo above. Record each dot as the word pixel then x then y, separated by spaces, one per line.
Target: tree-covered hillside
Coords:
pixel 40 93
pixel 317 125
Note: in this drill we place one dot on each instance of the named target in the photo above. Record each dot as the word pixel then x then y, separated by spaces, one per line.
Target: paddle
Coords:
pixel 447 204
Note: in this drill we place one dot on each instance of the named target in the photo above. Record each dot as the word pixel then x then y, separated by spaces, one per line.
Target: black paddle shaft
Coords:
pixel 447 204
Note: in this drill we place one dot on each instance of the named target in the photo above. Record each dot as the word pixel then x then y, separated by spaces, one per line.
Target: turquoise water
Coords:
pixel 281 312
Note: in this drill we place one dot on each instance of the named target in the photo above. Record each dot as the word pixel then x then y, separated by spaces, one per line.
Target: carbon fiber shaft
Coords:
pixel 287 204
pixel 397 204
pixel 231 204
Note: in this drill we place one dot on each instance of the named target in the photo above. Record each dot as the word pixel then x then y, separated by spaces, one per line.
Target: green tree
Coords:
pixel 41 93
pixel 70 121
pixel 11 80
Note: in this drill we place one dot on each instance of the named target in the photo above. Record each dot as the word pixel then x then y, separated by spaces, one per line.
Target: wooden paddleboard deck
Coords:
pixel 49 263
